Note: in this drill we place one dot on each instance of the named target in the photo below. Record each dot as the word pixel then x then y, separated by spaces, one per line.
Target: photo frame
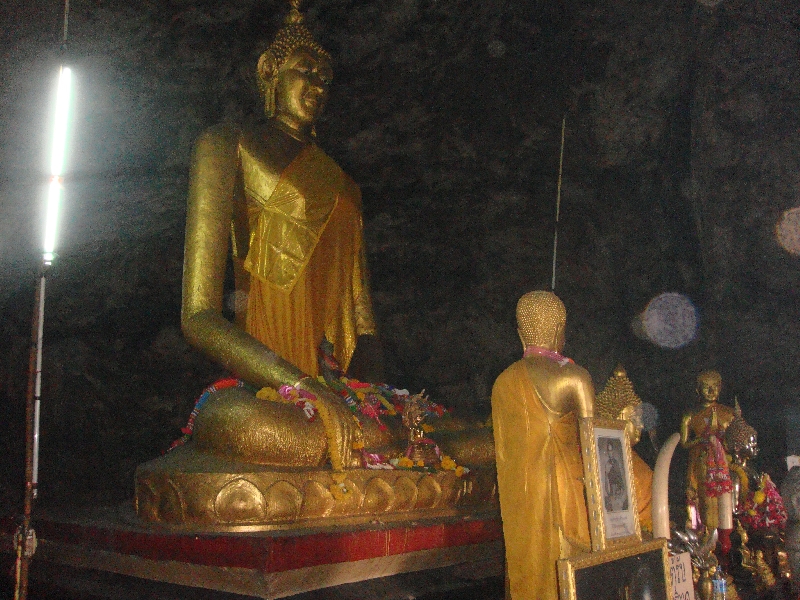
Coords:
pixel 609 482
pixel 636 572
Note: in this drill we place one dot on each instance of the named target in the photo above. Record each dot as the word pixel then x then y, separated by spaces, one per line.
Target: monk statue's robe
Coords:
pixel 539 467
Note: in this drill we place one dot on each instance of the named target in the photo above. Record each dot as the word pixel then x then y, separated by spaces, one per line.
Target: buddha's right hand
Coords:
pixel 344 429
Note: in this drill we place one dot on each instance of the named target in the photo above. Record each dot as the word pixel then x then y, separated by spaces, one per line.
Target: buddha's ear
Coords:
pixel 267 70
pixel 267 66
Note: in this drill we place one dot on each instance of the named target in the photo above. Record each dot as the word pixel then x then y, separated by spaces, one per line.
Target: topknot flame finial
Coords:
pixel 294 16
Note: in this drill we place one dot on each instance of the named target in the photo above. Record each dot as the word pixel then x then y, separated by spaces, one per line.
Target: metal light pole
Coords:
pixel 26 536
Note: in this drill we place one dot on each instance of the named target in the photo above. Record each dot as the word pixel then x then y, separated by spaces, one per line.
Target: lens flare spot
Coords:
pixel 787 230
pixel 670 320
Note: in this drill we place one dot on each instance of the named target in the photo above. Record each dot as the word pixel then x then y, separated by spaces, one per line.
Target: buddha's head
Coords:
pixel 618 400
pixel 709 384
pixel 541 318
pixel 741 438
pixel 294 74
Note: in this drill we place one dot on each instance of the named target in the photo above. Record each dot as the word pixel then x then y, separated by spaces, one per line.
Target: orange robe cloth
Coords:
pixel 540 479
pixel 643 476
pixel 308 276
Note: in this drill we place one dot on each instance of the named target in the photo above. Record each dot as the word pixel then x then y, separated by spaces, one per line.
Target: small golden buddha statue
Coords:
pixel 618 400
pixel 741 441
pixel 758 505
pixel 536 403
pixel 291 219
pixel 421 450
pixel 708 487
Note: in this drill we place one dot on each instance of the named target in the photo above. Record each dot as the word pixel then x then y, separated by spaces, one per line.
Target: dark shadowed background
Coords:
pixel 681 156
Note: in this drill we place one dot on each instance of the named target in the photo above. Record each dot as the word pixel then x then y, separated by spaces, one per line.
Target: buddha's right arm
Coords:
pixel 685 431
pixel 212 184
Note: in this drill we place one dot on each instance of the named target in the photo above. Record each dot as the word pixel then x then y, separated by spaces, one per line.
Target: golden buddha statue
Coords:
pixel 757 504
pixel 741 442
pixel 708 487
pixel 293 218
pixel 618 400
pixel 536 403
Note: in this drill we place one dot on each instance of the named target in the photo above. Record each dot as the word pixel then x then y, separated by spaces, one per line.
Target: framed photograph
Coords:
pixel 636 572
pixel 610 486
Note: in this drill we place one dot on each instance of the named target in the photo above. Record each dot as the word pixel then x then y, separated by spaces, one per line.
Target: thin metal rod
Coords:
pixel 558 201
pixel 38 389
pixel 25 534
pixel 66 22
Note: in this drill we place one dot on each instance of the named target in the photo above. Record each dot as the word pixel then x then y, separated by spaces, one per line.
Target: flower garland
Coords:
pixel 547 353
pixel 309 404
pixel 718 477
pixel 371 400
pixel 445 464
pixel 764 509
pixel 288 394
pixel 188 429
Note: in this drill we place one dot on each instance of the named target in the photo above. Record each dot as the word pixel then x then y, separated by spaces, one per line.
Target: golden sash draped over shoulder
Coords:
pixel 306 261
pixel 540 473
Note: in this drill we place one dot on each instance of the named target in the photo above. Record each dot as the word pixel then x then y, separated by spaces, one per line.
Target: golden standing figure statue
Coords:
pixel 536 403
pixel 708 484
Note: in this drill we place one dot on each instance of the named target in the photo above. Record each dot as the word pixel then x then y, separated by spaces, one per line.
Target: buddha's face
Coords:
pixel 632 415
pixel 750 449
pixel 302 88
pixel 708 386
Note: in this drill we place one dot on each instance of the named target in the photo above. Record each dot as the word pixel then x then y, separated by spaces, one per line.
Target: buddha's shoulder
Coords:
pixel 543 368
pixel 222 134
pixel 349 188
pixel 512 372
pixel 259 139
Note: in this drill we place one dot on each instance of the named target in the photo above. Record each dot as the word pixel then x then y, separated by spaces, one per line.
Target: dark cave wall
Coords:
pixel 745 159
pixel 680 156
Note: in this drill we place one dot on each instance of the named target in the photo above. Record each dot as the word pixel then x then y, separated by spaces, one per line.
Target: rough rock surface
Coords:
pixel 681 155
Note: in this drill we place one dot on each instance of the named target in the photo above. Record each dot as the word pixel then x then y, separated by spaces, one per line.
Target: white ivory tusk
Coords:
pixel 661 487
pixel 726 511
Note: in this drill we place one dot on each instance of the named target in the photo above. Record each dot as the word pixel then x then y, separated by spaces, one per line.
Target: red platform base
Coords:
pixel 272 564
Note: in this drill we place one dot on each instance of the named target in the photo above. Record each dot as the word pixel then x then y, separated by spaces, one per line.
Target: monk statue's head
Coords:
pixel 294 73
pixel 709 385
pixel 541 318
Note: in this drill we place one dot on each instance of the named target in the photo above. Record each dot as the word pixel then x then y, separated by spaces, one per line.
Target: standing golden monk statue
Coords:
pixel 536 403
pixel 708 482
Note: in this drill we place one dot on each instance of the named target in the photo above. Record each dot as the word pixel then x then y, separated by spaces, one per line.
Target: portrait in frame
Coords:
pixel 635 572
pixel 610 485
